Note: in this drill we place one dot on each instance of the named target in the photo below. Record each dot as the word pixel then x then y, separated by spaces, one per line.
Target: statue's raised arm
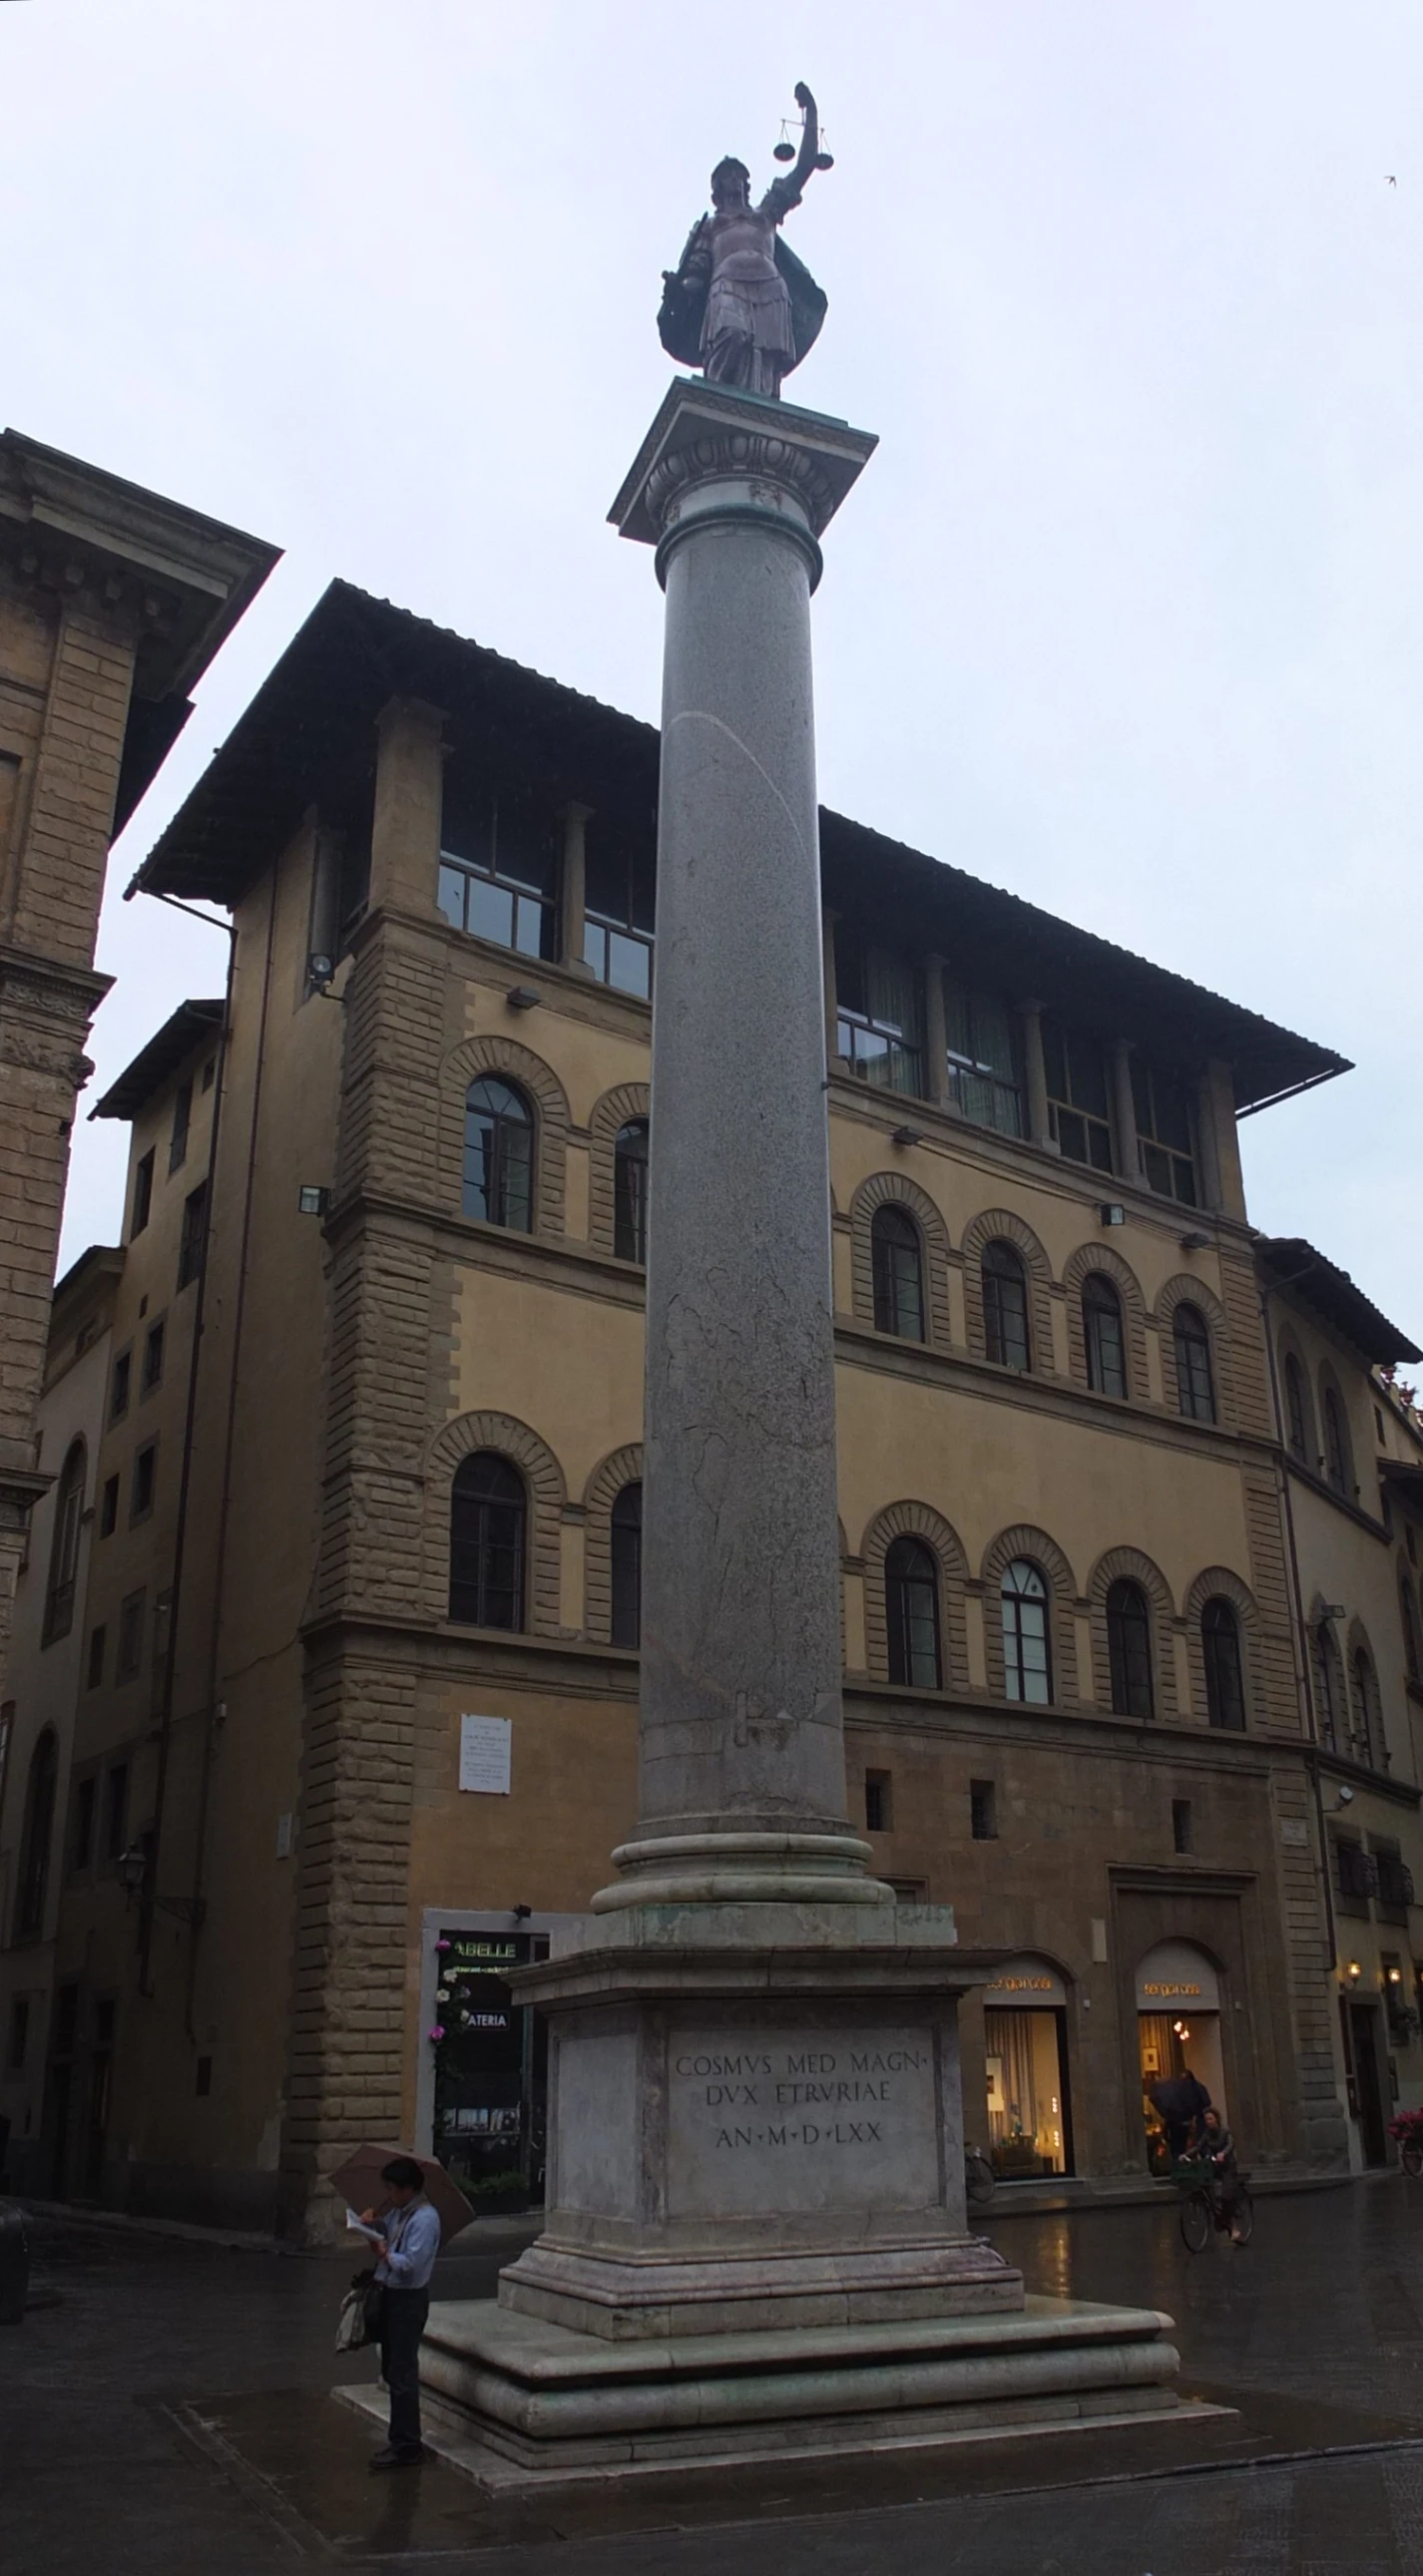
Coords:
pixel 739 304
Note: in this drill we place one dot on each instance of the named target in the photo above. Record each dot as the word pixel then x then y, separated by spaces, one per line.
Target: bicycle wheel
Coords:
pixel 978 2178
pixel 1244 2216
pixel 1195 2222
pixel 1410 2156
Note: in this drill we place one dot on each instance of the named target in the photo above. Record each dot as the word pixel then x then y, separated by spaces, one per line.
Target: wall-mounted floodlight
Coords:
pixel 906 1136
pixel 311 1200
pixel 1111 1214
pixel 522 997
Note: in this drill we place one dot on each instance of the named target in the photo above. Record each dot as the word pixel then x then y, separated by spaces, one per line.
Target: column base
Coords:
pixel 519 2401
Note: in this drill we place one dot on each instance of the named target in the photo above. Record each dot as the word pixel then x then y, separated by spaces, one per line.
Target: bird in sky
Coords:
pixel 1393 183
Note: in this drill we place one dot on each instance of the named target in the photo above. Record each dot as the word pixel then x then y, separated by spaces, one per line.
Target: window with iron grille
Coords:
pixel 1079 1111
pixel 897 1263
pixel 877 1802
pixel 1355 1872
pixel 1395 1878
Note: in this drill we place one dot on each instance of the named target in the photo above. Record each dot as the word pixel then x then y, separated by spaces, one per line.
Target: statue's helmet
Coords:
pixel 728 170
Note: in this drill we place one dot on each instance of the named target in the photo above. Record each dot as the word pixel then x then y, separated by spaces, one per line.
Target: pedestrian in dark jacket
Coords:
pixel 1216 2148
pixel 1182 2101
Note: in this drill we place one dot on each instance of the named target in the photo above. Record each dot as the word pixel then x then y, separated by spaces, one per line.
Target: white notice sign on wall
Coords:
pixel 485 1753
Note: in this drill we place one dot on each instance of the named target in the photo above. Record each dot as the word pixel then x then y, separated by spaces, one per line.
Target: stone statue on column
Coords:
pixel 739 304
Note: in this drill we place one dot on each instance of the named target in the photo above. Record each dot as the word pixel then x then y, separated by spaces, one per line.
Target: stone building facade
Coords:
pixel 397 1735
pixel 113 602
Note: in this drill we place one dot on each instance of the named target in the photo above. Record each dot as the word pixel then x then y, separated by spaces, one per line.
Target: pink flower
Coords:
pixel 442 1945
pixel 439 2031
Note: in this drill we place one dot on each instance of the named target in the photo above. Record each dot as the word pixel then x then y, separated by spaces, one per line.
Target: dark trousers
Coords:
pixel 402 2323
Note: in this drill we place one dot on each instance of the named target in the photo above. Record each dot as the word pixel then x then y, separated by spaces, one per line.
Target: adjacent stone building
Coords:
pixel 113 602
pixel 385 1734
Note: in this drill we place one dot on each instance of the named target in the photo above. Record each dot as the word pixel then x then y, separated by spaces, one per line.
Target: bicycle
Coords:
pixel 979 2178
pixel 1202 2210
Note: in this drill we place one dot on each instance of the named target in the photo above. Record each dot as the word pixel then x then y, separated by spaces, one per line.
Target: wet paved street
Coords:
pixel 165 2410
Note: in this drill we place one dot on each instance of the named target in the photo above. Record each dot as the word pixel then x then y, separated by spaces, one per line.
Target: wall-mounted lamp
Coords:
pixel 1353 1972
pixel 521 1913
pixel 1111 1214
pixel 906 1136
pixel 131 1871
pixel 319 970
pixel 311 1200
pixel 1394 1976
pixel 522 997
pixel 1195 1243
pixel 1345 1798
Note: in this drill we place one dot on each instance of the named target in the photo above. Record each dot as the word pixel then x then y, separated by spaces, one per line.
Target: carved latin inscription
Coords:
pixel 800 2121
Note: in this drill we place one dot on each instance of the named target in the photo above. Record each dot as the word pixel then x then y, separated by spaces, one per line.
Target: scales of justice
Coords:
pixel 755 2239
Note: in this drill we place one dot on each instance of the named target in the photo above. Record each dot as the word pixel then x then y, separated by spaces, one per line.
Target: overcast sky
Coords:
pixel 1127 612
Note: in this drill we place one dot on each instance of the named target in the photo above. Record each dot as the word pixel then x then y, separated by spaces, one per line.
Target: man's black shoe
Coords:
pixel 390 2459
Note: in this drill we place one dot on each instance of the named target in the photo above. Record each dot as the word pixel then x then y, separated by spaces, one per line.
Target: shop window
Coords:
pixel 983 1811
pixel 194 1234
pixel 142 1194
pixel 499 857
pixel 490 2063
pixel 626 1543
pixel 1027 1656
pixel 1079 1112
pixel 1005 1306
pixel 878 1806
pixel 1103 1334
pixel 1179 2040
pixel 1163 1133
pixel 879 1024
pixel 620 906
pixel 488 1513
pixel 36 1835
pixel 897 1262
pixel 1195 1385
pixel 1220 1647
pixel 985 1071
pixel 1025 2063
pixel 1129 1651
pixel 630 1169
pixel 911 1600
pixel 498 1155
pixel 64 1546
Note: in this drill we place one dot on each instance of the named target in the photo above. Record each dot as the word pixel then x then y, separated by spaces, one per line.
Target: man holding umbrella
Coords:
pixel 407 2239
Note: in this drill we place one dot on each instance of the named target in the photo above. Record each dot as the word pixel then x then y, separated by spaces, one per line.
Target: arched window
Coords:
pixel 898 1265
pixel 1027 1654
pixel 1367 1726
pixel 1225 1682
pixel 1409 1616
pixel 488 1513
pixel 1328 1686
pixel 1195 1390
pixel 1129 1651
pixel 627 1567
pixel 911 1600
pixel 498 1154
pixel 1005 1305
pixel 1336 1453
pixel 64 1548
pixel 36 1835
pixel 1102 1330
pixel 630 1191
pixel 1296 1420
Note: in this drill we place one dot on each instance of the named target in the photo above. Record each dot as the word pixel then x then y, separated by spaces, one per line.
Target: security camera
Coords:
pixel 1346 1797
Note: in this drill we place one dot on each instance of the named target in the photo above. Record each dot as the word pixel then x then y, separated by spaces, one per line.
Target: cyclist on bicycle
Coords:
pixel 1216 2148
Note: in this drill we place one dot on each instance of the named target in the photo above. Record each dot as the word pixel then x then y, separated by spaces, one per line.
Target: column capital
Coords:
pixel 770 458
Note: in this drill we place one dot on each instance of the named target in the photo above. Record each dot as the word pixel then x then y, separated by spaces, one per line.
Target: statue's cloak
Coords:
pixel 683 308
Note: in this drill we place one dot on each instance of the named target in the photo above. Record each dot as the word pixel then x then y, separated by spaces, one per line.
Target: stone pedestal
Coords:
pixel 756 2232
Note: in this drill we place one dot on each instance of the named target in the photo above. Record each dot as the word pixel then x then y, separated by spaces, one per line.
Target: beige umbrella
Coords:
pixel 359 2181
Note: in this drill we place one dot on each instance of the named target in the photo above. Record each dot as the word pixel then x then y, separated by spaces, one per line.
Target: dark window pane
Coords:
pixel 35 1837
pixel 1194 1387
pixel 1129 1651
pixel 1005 1306
pixel 879 1026
pixel 1106 1349
pixel 630 1193
pixel 911 1596
pixel 450 897
pixel 898 1274
pixel 488 1511
pixel 1220 1644
pixel 1027 1658
pixel 64 1545
pixel 498 1155
pixel 1336 1456
pixel 142 1193
pixel 489 911
pixel 626 1536
pixel 984 1078
pixel 1294 1409
pixel 194 1234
